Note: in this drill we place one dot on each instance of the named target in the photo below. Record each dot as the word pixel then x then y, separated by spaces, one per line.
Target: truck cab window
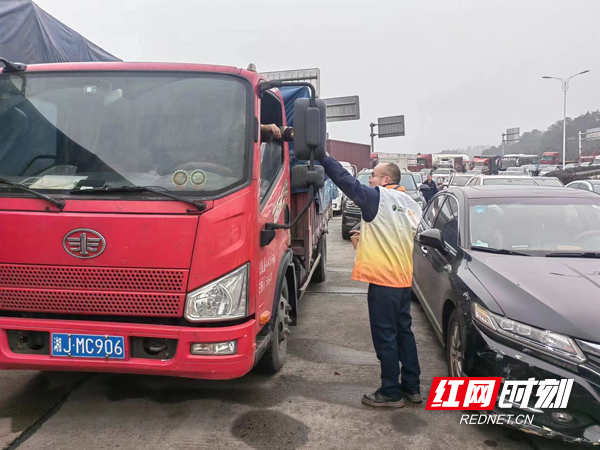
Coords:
pixel 271 151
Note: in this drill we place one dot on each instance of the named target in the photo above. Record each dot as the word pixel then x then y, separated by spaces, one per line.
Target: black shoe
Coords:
pixel 378 399
pixel 412 395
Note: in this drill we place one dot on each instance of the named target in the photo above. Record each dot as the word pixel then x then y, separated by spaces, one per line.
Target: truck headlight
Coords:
pixel 223 299
pixel 545 341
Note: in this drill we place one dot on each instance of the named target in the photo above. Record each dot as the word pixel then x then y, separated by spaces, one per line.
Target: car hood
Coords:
pixel 557 294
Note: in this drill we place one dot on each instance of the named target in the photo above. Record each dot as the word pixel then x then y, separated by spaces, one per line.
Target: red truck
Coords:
pixel 550 159
pixel 146 227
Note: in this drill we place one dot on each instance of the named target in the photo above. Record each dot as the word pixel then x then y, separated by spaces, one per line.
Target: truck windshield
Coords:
pixel 180 131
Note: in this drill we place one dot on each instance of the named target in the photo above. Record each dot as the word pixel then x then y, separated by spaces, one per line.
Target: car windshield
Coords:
pixel 460 180
pixel 443 171
pixel 497 181
pixel 536 225
pixel 549 182
pixel 184 132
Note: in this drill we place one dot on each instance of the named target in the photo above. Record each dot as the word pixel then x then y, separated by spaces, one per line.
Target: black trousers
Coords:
pixel 394 341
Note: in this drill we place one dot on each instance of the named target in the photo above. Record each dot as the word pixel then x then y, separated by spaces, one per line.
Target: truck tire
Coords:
pixel 274 358
pixel 345 233
pixel 320 273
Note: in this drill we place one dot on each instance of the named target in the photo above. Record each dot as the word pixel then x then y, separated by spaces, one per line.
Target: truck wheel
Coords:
pixel 320 273
pixel 345 231
pixel 274 358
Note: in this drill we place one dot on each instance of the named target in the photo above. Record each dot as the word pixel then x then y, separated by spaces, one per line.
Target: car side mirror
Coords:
pixel 302 177
pixel 432 238
pixel 424 187
pixel 310 128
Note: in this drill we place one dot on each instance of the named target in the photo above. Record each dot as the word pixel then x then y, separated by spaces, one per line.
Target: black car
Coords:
pixel 351 214
pixel 509 277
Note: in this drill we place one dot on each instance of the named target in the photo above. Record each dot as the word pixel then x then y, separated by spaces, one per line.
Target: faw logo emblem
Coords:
pixel 84 243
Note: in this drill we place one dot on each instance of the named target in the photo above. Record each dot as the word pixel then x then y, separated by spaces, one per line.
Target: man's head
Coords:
pixel 385 174
pixel 429 177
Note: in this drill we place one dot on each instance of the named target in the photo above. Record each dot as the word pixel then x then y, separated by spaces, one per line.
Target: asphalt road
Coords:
pixel 313 403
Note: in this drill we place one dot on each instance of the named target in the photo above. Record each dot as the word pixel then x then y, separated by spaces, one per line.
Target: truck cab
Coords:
pixel 148 225
pixel 550 159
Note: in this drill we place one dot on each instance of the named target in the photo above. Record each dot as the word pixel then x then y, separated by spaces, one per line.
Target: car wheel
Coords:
pixel 456 346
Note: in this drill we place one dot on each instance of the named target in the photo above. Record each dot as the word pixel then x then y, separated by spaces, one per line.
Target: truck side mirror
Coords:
pixel 310 128
pixel 302 177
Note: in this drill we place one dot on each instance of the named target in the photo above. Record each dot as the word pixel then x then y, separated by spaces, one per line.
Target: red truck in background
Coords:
pixel 486 164
pixel 424 161
pixel 147 228
pixel 550 159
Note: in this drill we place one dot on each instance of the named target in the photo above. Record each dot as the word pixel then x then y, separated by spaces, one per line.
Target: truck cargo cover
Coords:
pixel 30 35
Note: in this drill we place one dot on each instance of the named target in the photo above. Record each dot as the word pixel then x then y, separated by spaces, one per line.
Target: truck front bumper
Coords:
pixel 181 364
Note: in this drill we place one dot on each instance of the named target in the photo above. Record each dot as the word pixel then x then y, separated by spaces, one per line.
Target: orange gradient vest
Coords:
pixel 385 247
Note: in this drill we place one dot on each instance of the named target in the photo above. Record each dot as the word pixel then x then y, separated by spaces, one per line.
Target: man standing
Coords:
pixel 384 260
pixel 433 189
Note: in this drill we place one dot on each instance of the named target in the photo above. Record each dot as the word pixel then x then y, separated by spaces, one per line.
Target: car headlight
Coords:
pixel 223 299
pixel 548 342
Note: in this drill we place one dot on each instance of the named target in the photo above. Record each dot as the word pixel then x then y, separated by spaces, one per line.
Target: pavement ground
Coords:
pixel 313 403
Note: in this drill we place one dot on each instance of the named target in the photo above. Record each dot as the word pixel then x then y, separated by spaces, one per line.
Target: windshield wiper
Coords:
pixel 201 206
pixel 573 255
pixel 60 204
pixel 499 251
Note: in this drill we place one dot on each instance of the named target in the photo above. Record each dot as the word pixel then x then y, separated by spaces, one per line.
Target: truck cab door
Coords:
pixel 274 200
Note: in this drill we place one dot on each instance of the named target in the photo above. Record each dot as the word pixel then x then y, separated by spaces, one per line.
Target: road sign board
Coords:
pixel 513 135
pixel 342 108
pixel 591 134
pixel 390 126
pixel 312 76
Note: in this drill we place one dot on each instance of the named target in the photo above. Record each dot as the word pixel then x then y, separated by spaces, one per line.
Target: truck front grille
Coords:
pixel 94 291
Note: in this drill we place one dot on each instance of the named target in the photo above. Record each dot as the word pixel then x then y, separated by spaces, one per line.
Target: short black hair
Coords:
pixel 393 171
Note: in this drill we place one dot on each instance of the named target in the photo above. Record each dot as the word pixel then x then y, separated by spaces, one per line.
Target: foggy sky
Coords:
pixel 461 71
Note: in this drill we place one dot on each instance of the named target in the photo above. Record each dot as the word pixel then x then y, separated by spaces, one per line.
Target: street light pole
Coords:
pixel 565 88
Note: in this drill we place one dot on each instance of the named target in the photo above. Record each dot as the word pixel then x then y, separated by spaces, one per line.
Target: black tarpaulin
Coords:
pixel 30 35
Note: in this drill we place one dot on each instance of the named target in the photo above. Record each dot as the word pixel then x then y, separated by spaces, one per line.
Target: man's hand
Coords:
pixel 354 238
pixel 270 130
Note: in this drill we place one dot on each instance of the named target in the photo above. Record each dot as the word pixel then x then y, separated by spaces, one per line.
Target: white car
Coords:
pixel 517 171
pixel 585 185
pixel 336 203
pixel 502 180
pixel 545 169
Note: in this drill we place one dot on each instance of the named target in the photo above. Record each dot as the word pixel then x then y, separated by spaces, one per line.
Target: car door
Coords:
pixel 423 273
pixel 443 263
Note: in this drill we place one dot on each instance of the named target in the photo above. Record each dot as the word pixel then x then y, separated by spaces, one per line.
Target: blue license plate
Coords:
pixel 88 346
